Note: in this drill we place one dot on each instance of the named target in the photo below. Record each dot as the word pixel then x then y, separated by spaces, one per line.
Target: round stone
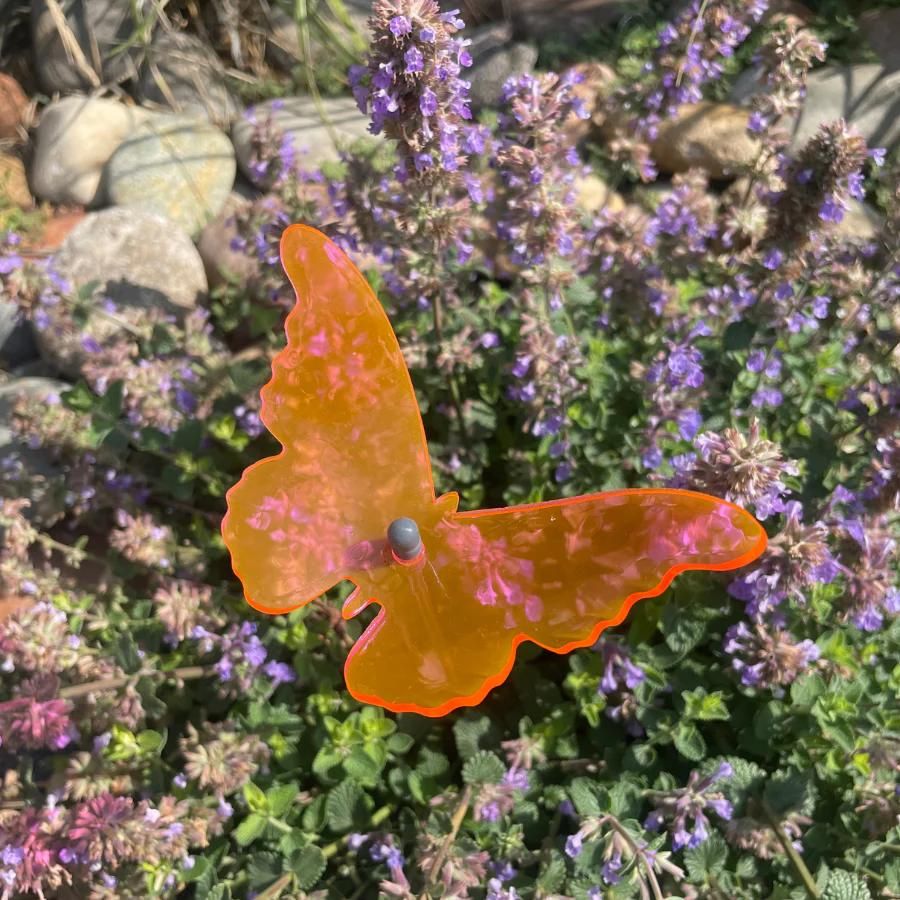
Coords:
pixel 179 168
pixel 138 261
pixel 404 538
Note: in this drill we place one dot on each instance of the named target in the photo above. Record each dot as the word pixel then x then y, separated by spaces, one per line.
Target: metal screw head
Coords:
pixel 404 538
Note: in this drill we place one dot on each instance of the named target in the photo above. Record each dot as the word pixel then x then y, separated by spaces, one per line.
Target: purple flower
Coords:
pixel 428 102
pixel 414 61
pixel 574 845
pixel 756 360
pixel 611 868
pixel 689 422
pixel 773 259
pixel 400 26
pixel 279 672
pixel 831 210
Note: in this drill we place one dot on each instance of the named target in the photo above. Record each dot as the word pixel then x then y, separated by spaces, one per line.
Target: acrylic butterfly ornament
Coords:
pixel 351 497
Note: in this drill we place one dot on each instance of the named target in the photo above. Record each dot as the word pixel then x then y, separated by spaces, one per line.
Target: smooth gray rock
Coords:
pixel 75 139
pixel 866 96
pixel 495 58
pixel 184 75
pixel 298 119
pixel 30 471
pixel 538 19
pixel 99 27
pixel 137 260
pixel 178 168
pixel 214 245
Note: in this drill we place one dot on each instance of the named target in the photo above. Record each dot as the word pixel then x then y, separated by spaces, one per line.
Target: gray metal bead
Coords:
pixel 404 538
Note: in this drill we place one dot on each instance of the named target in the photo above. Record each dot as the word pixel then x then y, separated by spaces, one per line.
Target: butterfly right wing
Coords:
pixel 341 403
pixel 556 574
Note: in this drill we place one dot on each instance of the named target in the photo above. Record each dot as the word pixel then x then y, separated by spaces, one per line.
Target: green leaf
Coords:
pixel 845 886
pixel 706 860
pixel 400 743
pixel 682 629
pixel 197 872
pixel 432 764
pixel 110 405
pixel 468 734
pixel 483 768
pixel 583 794
pixel 79 398
pixel 745 781
pixel 219 892
pixel 125 651
pixel 325 761
pixel 255 798
pixel 738 335
pixel 553 874
pixel 705 707
pixel 360 766
pixel 151 742
pixel 805 691
pixel 250 829
pixel 787 792
pixel 263 869
pixel 689 742
pixel 307 865
pixel 344 807
pixel 281 798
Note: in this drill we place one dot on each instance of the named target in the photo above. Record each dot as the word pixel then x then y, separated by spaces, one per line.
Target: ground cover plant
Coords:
pixel 736 737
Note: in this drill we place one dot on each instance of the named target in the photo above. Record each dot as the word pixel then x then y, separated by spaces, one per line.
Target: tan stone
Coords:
pixel 13 104
pixel 861 223
pixel 593 194
pixel 597 81
pixel 14 183
pixel 706 135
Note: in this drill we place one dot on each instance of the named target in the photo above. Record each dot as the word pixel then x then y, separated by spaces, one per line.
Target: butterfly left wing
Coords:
pixel 556 574
pixel 341 403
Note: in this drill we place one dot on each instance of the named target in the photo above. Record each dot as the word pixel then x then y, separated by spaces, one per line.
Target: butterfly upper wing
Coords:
pixel 554 573
pixel 354 456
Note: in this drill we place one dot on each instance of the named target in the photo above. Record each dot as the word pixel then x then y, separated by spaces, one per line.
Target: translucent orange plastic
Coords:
pixel 354 459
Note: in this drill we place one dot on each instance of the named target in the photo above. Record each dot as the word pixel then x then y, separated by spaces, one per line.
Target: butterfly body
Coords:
pixel 355 461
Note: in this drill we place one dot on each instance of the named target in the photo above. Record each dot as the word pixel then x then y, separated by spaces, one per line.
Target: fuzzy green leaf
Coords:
pixel 845 886
pixel 263 869
pixel 250 829
pixel 706 860
pixel 281 798
pixel 705 707
pixel 483 768
pixel 344 807
pixel 307 865
pixel 468 734
pixel 689 742
pixel 360 766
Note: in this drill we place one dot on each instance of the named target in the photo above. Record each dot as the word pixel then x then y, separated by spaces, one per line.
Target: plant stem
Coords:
pixel 186 673
pixel 796 860
pixel 274 890
pixel 455 824
pixel 616 826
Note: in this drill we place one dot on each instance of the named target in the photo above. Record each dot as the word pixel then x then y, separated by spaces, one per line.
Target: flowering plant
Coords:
pixel 736 737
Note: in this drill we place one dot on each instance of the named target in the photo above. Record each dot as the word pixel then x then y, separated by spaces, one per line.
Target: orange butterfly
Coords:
pixel 351 497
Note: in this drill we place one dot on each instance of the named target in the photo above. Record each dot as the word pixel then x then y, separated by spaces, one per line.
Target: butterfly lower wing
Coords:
pixel 341 403
pixel 554 573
